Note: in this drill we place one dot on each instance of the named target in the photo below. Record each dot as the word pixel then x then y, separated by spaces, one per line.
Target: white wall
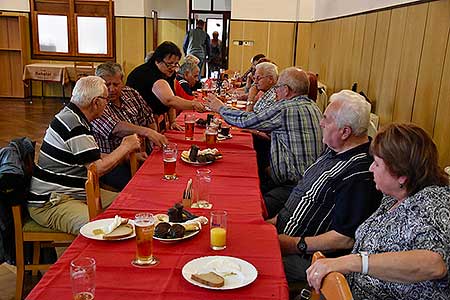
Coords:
pixel 326 9
pixel 170 9
pixel 306 10
pixel 275 10
pixel 15 5
pixel 129 8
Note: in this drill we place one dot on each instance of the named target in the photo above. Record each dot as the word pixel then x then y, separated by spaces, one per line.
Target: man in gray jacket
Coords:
pixel 196 42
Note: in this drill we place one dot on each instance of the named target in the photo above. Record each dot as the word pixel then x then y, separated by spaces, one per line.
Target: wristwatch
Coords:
pixel 249 103
pixel 364 261
pixel 301 246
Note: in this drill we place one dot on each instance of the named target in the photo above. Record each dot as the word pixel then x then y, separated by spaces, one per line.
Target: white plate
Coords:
pixel 187 235
pixel 221 137
pixel 196 163
pixel 245 276
pixel 87 229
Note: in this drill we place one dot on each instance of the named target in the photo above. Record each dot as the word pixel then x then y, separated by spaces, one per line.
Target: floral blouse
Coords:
pixel 421 221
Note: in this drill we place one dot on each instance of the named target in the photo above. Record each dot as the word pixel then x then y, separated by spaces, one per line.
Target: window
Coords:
pixel 72 29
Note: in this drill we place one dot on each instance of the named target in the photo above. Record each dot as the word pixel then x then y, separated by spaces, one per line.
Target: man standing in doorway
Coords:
pixel 197 43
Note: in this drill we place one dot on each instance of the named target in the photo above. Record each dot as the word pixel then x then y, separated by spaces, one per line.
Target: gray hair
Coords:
pixel 354 111
pixel 268 69
pixel 296 79
pixel 188 66
pixel 86 89
pixel 191 58
pixel 108 69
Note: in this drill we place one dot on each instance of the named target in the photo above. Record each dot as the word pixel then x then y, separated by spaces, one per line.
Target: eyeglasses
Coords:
pixel 172 65
pixel 104 98
pixel 261 77
pixel 277 86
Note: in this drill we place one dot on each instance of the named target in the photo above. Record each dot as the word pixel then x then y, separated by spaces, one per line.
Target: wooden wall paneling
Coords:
pixel 379 54
pixel 365 66
pixel 431 65
pixel 4 41
pixel 172 30
pixel 303 45
pixel 336 54
pixel 259 33
pixel 5 83
pixel 409 62
pixel 441 123
pixel 314 49
pixel 149 35
pixel 281 43
pixel 236 52
pixel 358 43
pixel 129 43
pixel 344 81
pixel 389 79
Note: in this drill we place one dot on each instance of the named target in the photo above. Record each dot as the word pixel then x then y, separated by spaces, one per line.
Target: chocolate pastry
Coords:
pixel 176 231
pixel 162 230
pixel 193 153
pixel 176 213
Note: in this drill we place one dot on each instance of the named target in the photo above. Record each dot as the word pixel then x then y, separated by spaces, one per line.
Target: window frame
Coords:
pixel 72 29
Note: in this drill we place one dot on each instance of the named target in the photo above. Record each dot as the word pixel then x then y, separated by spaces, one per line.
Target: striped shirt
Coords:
pixel 336 193
pixel 296 136
pixel 67 148
pixel 268 99
pixel 133 109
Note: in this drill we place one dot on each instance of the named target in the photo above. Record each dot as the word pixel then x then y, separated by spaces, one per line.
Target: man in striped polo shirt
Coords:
pixel 58 197
pixel 336 194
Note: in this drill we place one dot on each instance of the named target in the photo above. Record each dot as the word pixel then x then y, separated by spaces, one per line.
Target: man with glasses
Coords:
pixel 266 76
pixel 155 80
pixel 126 113
pixel 294 126
pixel 57 195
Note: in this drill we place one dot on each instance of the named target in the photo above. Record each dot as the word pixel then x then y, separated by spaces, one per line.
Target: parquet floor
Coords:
pixel 20 118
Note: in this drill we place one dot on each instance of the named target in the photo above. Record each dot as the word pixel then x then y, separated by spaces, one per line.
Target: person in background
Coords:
pixel 402 251
pixel 57 195
pixel 336 193
pixel 126 113
pixel 247 77
pixel 215 59
pixel 196 42
pixel 155 82
pixel 187 79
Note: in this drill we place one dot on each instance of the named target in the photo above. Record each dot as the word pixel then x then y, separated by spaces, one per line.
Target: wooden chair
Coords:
pixel 334 285
pixel 27 230
pixel 92 186
pixel 162 123
pixel 83 69
pixel 134 164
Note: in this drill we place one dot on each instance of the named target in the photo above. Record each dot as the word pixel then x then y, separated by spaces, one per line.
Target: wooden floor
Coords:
pixel 20 118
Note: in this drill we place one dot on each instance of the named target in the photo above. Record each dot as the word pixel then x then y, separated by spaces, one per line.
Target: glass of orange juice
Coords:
pixel 218 229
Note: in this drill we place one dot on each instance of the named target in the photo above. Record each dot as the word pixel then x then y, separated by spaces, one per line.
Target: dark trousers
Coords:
pixel 118 177
pixel 276 197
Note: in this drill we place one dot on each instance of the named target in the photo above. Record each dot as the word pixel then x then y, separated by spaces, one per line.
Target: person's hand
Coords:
pixel 157 138
pixel 141 157
pixel 198 106
pixel 252 92
pixel 288 244
pixel 214 103
pixel 318 270
pixel 175 126
pixel 132 143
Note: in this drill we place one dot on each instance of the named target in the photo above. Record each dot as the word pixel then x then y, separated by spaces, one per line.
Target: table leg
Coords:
pixel 30 83
pixel 63 94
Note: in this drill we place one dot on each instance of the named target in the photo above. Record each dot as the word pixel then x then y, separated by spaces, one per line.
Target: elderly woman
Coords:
pixel 187 79
pixel 402 251
pixel 155 80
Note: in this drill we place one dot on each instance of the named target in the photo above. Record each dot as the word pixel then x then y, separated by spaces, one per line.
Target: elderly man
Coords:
pixel 337 192
pixel 186 80
pixel 126 113
pixel 266 76
pixel 293 122
pixel 58 198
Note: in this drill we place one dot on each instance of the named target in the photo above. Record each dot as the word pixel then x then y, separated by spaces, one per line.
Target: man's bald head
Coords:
pixel 296 79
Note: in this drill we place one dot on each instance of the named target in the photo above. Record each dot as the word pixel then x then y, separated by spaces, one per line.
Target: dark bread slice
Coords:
pixel 120 232
pixel 209 279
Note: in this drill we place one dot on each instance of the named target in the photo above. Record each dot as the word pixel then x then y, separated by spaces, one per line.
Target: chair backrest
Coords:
pixel 162 122
pixel 93 192
pixel 334 285
pixel 83 69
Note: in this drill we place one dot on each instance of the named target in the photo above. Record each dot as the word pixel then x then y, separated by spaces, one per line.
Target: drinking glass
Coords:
pixel 170 161
pixel 144 225
pixel 202 187
pixel 211 133
pixel 82 276
pixel 218 230
pixel 189 124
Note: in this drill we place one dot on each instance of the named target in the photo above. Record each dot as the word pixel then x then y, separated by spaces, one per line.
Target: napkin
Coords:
pixel 114 224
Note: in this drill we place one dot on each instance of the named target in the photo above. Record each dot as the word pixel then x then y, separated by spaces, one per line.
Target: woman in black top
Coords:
pixel 154 80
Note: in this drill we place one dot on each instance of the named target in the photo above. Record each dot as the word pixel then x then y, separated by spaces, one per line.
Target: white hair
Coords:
pixel 191 58
pixel 268 69
pixel 354 111
pixel 188 66
pixel 86 89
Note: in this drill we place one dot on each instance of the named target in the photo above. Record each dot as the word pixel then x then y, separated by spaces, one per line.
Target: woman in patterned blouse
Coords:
pixel 403 250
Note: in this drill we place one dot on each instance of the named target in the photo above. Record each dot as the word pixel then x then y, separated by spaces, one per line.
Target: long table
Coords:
pixel 234 188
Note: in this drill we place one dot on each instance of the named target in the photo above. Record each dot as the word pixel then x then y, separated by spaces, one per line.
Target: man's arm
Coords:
pixel 165 94
pixel 125 128
pixel 326 242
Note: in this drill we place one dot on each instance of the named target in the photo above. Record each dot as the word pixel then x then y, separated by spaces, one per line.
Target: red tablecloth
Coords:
pixel 234 188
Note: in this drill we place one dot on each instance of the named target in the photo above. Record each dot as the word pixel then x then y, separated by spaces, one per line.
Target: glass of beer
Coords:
pixel 218 230
pixel 211 134
pixel 189 124
pixel 82 276
pixel 144 225
pixel 170 161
